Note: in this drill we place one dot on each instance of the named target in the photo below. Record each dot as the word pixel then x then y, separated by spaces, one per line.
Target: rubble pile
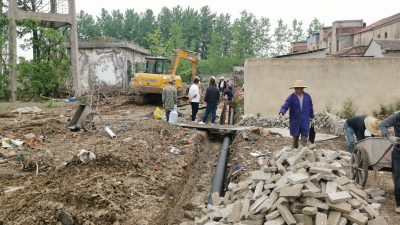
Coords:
pixel 239 93
pixel 322 119
pixel 296 186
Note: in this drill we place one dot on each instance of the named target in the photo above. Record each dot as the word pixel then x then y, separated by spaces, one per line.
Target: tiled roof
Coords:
pixel 352 51
pixel 389 44
pixel 380 22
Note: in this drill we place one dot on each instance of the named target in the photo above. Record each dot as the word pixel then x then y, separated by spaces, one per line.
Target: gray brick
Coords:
pixel 280 201
pixel 260 175
pixel 245 209
pixel 310 186
pixel 286 214
pixel 354 203
pixel 315 203
pixel 272 215
pixel 258 190
pixel 378 221
pixel 343 221
pixel 273 179
pixel 342 180
pixel 277 221
pixel 297 178
pixel 356 217
pixel 269 169
pixel 310 211
pixel 290 192
pixel 331 187
pixel 316 177
pixel 321 219
pixel 338 197
pixel 340 207
pixel 303 219
pixel 324 171
pixel 369 211
pixel 201 221
pixel 334 218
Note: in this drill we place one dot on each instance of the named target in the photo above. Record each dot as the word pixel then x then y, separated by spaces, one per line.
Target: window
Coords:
pixel 159 67
pixel 166 66
pixel 337 46
pixel 379 36
pixel 150 66
pixel 385 34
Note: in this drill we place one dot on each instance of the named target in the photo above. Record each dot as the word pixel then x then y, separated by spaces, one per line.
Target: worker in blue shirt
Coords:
pixel 229 94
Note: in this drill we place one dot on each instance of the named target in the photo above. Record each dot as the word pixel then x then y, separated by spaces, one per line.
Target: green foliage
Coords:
pixel 87 28
pixel 314 26
pixel 349 109
pixel 297 33
pixel 388 109
pixel 49 71
pixel 50 105
pixel 328 106
pixel 158 47
pixel 281 35
pixel 5 92
pixel 258 115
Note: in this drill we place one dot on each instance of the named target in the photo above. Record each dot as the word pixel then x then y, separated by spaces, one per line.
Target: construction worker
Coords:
pixel 301 111
pixel 211 99
pixel 169 98
pixel 228 94
pixel 194 98
pixel 222 85
pixel 357 125
pixel 394 121
pixel 229 85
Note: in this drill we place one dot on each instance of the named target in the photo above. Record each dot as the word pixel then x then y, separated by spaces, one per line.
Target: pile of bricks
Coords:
pixel 322 119
pixel 296 186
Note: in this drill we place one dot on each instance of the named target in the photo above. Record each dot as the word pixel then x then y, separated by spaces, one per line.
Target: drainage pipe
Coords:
pixel 219 175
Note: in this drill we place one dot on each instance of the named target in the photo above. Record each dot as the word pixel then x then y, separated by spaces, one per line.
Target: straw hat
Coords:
pixel 299 83
pixel 372 125
pixel 221 78
pixel 213 77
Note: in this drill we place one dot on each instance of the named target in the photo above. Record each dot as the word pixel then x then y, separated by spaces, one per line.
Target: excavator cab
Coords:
pixel 157 65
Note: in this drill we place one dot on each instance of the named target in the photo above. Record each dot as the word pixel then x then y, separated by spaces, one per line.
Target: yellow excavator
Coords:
pixel 158 71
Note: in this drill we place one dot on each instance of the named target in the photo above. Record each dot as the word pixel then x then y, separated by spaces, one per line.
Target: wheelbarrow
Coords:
pixel 375 152
pixel 86 118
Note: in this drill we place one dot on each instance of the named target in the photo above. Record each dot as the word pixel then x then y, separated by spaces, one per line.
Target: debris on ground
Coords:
pixel 296 186
pixel 28 110
pixel 334 123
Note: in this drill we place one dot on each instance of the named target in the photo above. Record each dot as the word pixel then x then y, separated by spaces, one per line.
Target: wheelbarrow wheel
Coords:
pixel 359 166
pixel 93 122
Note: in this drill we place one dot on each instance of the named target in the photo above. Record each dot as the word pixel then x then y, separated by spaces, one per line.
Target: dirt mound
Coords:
pixel 130 181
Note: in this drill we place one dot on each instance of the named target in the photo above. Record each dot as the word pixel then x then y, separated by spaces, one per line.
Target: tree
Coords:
pixel 176 41
pixel 297 33
pixel 164 20
pixel 147 24
pixel 244 33
pixel 262 43
pixel 223 27
pixel 314 26
pixel 158 47
pixel 5 92
pixel 281 39
pixel 207 20
pixel 190 26
pixel 131 29
pixel 87 27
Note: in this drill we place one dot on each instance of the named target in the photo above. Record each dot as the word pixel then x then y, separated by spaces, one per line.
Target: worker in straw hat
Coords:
pixel 357 125
pixel 301 111
pixel 222 85
pixel 394 121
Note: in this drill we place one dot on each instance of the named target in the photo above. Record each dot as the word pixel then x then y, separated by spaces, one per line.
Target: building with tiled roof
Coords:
pixel 387 28
pixel 351 52
pixel 383 48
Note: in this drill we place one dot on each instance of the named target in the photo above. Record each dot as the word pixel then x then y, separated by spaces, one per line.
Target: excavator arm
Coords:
pixel 179 54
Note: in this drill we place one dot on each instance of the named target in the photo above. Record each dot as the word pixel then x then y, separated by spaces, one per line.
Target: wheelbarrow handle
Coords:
pixel 387 150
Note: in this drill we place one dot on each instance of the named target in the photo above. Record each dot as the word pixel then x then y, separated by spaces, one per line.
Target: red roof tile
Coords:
pixel 388 44
pixel 380 22
pixel 352 51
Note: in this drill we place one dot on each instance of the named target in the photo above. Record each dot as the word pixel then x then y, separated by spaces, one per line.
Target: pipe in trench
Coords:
pixel 219 175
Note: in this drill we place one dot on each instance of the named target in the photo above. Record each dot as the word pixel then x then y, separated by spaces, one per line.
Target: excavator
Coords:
pixel 158 71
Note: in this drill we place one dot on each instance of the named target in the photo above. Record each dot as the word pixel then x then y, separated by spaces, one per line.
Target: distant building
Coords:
pixel 383 48
pixel 112 63
pixel 299 46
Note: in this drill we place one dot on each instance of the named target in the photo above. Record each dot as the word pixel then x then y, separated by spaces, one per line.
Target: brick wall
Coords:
pixel 348 30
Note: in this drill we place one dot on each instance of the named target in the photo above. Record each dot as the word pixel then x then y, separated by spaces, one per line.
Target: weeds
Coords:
pixel 50 105
pixel 258 115
pixel 388 109
pixel 328 106
pixel 349 109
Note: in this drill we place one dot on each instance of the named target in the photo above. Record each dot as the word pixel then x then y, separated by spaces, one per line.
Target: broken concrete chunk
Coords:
pixel 260 175
pixel 378 221
pixel 258 190
pixel 277 221
pixel 334 218
pixel 290 192
pixel 331 187
pixel 272 215
pixel 324 171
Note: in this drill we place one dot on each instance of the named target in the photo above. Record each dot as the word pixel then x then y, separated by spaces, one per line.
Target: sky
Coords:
pixel 287 10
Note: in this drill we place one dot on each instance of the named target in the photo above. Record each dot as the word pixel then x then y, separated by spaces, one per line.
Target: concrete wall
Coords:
pixel 392 29
pixel 344 40
pixel 374 50
pixel 109 65
pixel 368 81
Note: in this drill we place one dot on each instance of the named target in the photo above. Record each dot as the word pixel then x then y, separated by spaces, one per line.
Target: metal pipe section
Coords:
pixel 109 132
pixel 219 175
pixel 231 116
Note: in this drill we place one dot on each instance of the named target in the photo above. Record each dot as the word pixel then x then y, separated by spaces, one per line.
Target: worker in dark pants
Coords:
pixel 357 125
pixel 394 121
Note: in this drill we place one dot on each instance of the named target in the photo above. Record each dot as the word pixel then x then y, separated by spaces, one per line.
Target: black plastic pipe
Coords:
pixel 219 175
